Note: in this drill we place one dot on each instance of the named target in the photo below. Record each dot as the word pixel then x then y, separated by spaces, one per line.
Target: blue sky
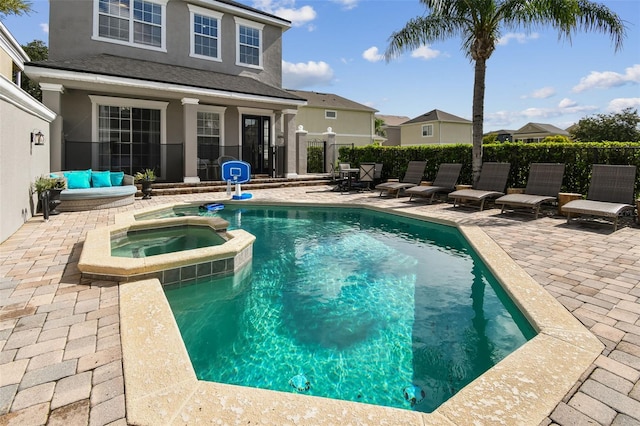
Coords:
pixel 335 46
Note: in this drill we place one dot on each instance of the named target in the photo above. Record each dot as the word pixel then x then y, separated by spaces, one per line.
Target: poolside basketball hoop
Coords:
pixel 237 173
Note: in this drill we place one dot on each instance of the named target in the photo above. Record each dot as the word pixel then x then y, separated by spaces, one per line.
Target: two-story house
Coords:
pixel 166 84
pixel 352 122
pixel 24 130
pixel 434 128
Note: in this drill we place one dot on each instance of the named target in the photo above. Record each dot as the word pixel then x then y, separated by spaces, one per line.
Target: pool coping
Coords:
pixel 161 386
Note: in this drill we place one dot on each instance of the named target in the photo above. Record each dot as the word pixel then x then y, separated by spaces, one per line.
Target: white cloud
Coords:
pixel 543 93
pixel 347 4
pixel 566 107
pixel 298 17
pixel 567 103
pixel 425 52
pixel 286 9
pixel 301 75
pixel 519 37
pixel 372 54
pixel 45 28
pixel 607 79
pixel 618 104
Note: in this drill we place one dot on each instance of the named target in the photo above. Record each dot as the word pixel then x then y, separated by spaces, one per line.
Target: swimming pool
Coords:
pixel 365 305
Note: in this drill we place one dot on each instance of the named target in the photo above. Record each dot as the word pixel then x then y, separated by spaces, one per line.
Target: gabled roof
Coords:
pixel 541 128
pixel 128 68
pixel 437 115
pixel 330 100
pixel 392 120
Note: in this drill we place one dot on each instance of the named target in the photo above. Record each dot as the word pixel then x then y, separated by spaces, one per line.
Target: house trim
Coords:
pixel 246 12
pixel 14 95
pixel 38 73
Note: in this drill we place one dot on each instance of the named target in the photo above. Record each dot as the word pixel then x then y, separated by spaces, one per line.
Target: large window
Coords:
pixel 208 134
pixel 249 45
pixel 135 22
pixel 133 130
pixel 205 33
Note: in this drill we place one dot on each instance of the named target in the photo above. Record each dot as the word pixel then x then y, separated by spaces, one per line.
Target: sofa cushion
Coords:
pixel 116 178
pixel 91 193
pixel 79 179
pixel 101 179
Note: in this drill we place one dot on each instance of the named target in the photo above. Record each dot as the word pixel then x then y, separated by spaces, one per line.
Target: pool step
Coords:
pixel 160 188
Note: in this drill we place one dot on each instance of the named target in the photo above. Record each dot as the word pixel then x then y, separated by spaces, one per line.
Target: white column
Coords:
pixel 52 99
pixel 190 133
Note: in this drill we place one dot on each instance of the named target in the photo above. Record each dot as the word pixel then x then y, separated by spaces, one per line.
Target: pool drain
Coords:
pixel 300 383
pixel 414 394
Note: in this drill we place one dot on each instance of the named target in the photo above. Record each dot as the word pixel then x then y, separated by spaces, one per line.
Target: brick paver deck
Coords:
pixel 61 359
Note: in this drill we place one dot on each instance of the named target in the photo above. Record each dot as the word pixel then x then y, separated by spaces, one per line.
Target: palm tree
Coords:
pixel 480 24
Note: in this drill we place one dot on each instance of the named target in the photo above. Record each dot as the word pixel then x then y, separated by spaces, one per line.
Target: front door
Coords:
pixel 256 143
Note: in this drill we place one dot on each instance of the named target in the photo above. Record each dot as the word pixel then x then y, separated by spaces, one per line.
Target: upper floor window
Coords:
pixel 136 22
pixel 330 114
pixel 249 43
pixel 427 130
pixel 205 33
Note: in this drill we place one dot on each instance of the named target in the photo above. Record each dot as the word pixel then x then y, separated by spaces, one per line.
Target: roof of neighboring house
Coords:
pixel 121 67
pixel 542 128
pixel 392 120
pixel 330 100
pixel 437 115
pixel 501 132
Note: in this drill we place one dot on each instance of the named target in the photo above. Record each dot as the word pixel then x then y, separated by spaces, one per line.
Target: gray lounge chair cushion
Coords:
pixel 444 182
pixel 596 208
pixel 474 194
pixel 424 191
pixel 413 176
pixel 524 200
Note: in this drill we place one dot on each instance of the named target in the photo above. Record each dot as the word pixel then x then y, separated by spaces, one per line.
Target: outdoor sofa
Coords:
pixel 93 190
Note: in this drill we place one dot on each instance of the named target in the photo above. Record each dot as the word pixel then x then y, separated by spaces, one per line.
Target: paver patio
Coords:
pixel 61 357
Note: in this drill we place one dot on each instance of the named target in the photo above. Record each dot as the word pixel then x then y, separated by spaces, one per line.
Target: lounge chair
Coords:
pixel 610 193
pixel 491 184
pixel 444 182
pixel 543 186
pixel 412 177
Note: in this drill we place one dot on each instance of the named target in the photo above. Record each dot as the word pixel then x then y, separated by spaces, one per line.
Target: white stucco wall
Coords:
pixel 20 162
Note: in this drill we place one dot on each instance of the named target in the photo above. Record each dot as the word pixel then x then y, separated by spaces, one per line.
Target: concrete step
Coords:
pixel 159 188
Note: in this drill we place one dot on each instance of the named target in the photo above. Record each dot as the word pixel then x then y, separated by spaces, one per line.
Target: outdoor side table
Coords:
pixel 460 187
pixel 564 198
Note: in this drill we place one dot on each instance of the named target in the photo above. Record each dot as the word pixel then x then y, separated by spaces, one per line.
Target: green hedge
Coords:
pixel 577 157
pixel 315 159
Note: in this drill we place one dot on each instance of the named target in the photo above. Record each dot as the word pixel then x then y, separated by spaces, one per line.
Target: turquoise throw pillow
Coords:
pixel 117 178
pixel 100 179
pixel 78 179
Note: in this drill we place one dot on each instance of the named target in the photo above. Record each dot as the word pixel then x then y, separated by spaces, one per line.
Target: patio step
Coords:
pixel 160 188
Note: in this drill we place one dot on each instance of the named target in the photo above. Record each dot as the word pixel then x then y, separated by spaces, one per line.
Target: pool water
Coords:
pixel 152 242
pixel 366 306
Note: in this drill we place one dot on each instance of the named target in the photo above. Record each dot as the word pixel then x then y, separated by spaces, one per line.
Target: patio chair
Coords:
pixel 365 178
pixel 543 186
pixel 444 183
pixel 491 184
pixel 610 193
pixel 412 177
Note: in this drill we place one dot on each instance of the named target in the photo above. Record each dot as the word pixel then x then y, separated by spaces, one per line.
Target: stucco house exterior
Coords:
pixel 352 123
pixel 536 132
pixel 436 128
pixel 391 128
pixel 166 84
pixel 24 134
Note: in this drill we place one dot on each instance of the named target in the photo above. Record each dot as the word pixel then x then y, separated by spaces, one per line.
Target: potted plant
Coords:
pixel 49 189
pixel 145 178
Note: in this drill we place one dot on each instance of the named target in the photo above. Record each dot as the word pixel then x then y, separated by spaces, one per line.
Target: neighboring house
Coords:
pixel 434 128
pixel 22 157
pixel 167 84
pixel 391 128
pixel 353 123
pixel 503 135
pixel 536 132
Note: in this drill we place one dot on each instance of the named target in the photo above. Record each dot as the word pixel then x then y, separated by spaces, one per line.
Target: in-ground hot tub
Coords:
pixel 227 252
